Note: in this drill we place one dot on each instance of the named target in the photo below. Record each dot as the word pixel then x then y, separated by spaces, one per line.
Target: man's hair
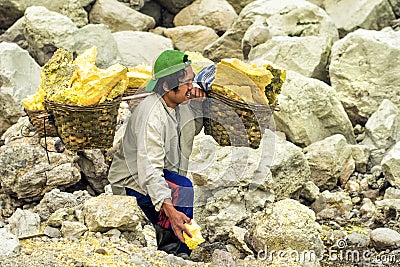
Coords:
pixel 173 80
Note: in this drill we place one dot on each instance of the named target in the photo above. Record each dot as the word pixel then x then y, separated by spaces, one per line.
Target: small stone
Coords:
pixel 101 251
pixel 385 238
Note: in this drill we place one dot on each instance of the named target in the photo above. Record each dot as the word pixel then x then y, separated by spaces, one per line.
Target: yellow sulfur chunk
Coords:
pixel 261 76
pixel 235 84
pixel 198 61
pixel 139 76
pixel 196 239
pixel 34 102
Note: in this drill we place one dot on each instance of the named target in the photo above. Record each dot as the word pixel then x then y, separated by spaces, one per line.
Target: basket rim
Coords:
pixel 112 102
pixel 237 103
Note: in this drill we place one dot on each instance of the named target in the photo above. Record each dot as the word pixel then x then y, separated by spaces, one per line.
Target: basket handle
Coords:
pixel 137 96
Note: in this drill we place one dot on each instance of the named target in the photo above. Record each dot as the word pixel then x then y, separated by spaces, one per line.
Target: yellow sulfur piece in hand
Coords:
pixel 196 239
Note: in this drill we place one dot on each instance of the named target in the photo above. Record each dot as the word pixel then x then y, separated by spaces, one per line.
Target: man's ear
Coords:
pixel 165 86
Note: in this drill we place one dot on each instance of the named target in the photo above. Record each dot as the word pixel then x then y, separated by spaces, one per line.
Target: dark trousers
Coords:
pixel 182 195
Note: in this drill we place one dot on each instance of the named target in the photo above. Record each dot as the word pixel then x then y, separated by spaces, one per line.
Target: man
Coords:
pixel 152 159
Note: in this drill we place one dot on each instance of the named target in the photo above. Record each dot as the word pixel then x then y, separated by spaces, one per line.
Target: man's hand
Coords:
pixel 177 220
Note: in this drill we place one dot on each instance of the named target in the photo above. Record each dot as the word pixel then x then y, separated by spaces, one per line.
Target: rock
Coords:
pixel 20 76
pixel 73 229
pixel 337 203
pixel 309 191
pixel 15 34
pixel 392 193
pixel 57 218
pixel 284 18
pixel 52 232
pixel 205 251
pixel 222 258
pixel 385 238
pixel 109 12
pixel 210 13
pixel 374 68
pixel 43 40
pixel 140 47
pixel 361 154
pixel 310 111
pixel 285 225
pixel 391 165
pixel 10 112
pixel 367 209
pixel 10 245
pixel 236 237
pixel 213 167
pixel 8 205
pixel 24 223
pixel 55 200
pixel 25 172
pixel 330 161
pixel 308 55
pixel 382 130
pixel 183 36
pixel 371 15
pixel 387 212
pixel 357 240
pixel 257 34
pixel 103 213
pixel 98 35
pixel 287 163
pixel 95 170
pixel 226 208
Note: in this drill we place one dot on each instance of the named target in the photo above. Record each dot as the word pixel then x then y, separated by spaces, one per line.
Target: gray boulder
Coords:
pixel 10 112
pixel 43 40
pixel 215 14
pixel 103 213
pixel 25 172
pixel 310 111
pixel 283 18
pixel 382 130
pixel 10 245
pixel 287 226
pixel 98 35
pixel 391 165
pixel 363 71
pixel 370 15
pixel 331 161
pixel 138 47
pixel 19 73
pixel 119 17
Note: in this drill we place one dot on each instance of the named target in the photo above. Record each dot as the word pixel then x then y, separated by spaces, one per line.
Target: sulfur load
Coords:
pixel 248 83
pixel 139 76
pixel 78 81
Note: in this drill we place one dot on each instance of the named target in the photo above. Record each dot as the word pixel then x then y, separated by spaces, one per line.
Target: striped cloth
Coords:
pixel 205 78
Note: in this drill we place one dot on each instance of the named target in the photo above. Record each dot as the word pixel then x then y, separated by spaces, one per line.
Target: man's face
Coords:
pixel 184 89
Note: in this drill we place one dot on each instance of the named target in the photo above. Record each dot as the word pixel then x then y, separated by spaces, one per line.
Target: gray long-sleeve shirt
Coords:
pixel 156 137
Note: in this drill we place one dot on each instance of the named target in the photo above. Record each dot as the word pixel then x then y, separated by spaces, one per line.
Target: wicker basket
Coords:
pixel 43 125
pixel 85 127
pixel 234 123
pixel 133 91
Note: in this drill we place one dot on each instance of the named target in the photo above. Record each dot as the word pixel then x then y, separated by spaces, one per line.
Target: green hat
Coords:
pixel 167 63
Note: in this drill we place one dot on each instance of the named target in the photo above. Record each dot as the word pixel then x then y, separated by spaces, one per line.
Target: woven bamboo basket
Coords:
pixel 133 91
pixel 235 123
pixel 85 127
pixel 42 123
